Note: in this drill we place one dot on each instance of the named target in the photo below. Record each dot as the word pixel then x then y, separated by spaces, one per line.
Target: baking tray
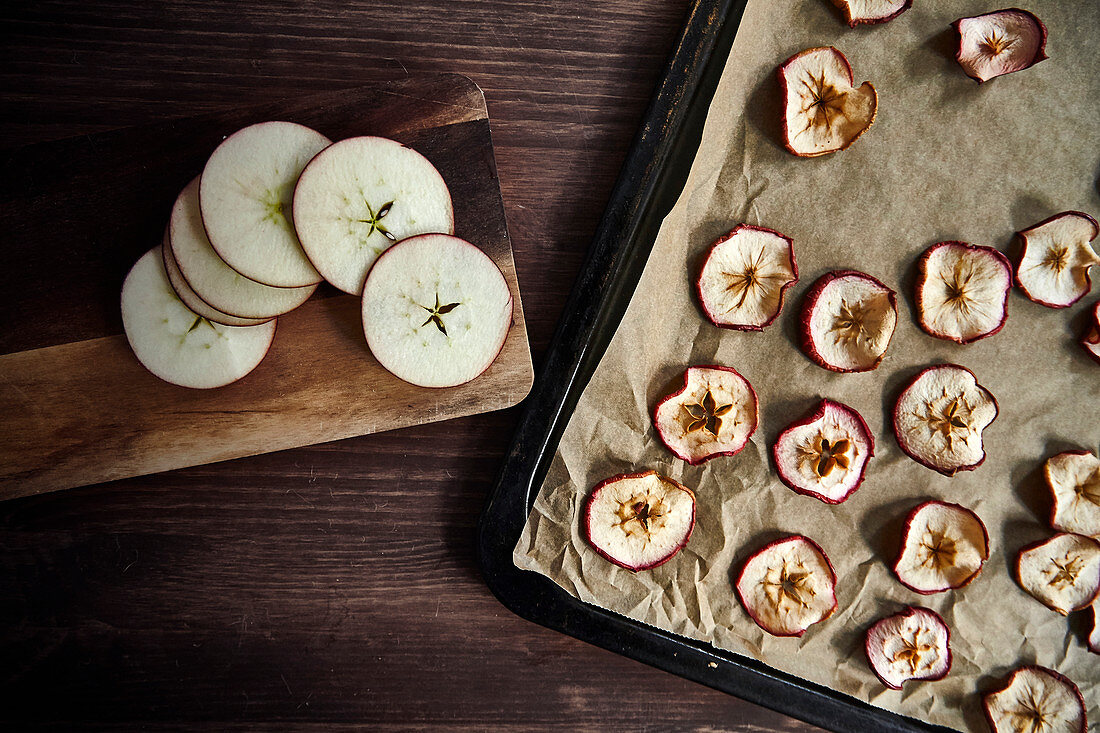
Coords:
pixel 651 179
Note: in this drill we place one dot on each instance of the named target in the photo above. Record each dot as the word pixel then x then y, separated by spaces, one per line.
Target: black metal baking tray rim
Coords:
pixel 649 182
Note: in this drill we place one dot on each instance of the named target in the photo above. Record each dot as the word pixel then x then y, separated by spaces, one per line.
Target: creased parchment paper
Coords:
pixel 946 159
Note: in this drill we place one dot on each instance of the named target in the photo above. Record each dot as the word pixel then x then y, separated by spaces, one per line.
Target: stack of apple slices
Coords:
pixel 199 310
pixel 278 208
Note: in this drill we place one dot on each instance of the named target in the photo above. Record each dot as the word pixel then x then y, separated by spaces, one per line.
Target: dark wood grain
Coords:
pixel 335 585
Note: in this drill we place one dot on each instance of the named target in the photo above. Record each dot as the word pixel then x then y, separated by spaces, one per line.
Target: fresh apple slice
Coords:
pixel 1055 259
pixel 943 547
pixel 1062 572
pixel 639 521
pixel 825 454
pixel 1074 480
pixel 245 196
pixel 1090 340
pixel 745 276
pixel 787 586
pixel 193 301
pixel 215 282
pixel 912 645
pixel 823 111
pixel 962 291
pixel 847 321
pixel 859 12
pixel 713 414
pixel 178 345
pixel 436 310
pixel 1036 700
pixel 940 416
pixel 361 195
pixel 999 43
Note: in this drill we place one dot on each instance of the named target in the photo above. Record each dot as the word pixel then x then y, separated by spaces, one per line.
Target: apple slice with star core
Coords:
pixel 211 279
pixel 358 197
pixel 178 345
pixel 245 195
pixel 436 310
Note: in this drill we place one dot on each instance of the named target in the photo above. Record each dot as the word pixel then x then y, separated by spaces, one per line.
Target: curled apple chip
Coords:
pixel 787 586
pixel 847 321
pixel 1094 636
pixel 944 547
pixel 859 12
pixel 1037 700
pixel 912 645
pixel 940 416
pixel 640 520
pixel 962 291
pixel 1055 258
pixel 825 454
pixel 745 276
pixel 999 43
pixel 823 111
pixel 1090 341
pixel 1074 480
pixel 713 414
pixel 1062 572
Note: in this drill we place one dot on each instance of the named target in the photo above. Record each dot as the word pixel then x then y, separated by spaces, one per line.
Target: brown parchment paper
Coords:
pixel 946 159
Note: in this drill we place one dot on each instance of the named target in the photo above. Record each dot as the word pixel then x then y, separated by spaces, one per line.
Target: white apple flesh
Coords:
pixel 639 521
pixel 1054 264
pixel 823 109
pixel 436 310
pixel 192 300
pixel 178 345
pixel 245 194
pixel 358 197
pixel 1062 572
pixel 859 12
pixel 1036 700
pixel 999 43
pixel 944 547
pixel 215 282
pixel 787 586
pixel 912 645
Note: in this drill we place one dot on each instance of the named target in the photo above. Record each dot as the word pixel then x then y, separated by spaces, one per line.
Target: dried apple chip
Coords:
pixel 912 645
pixel 823 111
pixel 859 12
pixel 787 586
pixel 639 521
pixel 1055 258
pixel 745 276
pixel 825 454
pixel 1036 700
pixel 847 321
pixel 1094 636
pixel 1090 340
pixel 962 291
pixel 999 43
pixel 1074 480
pixel 943 548
pixel 940 416
pixel 1062 572
pixel 713 414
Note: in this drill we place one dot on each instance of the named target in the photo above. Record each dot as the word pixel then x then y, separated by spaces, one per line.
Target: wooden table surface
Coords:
pixel 334 585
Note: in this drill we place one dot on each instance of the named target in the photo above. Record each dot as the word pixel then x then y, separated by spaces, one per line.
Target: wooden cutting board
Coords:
pixel 77 408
